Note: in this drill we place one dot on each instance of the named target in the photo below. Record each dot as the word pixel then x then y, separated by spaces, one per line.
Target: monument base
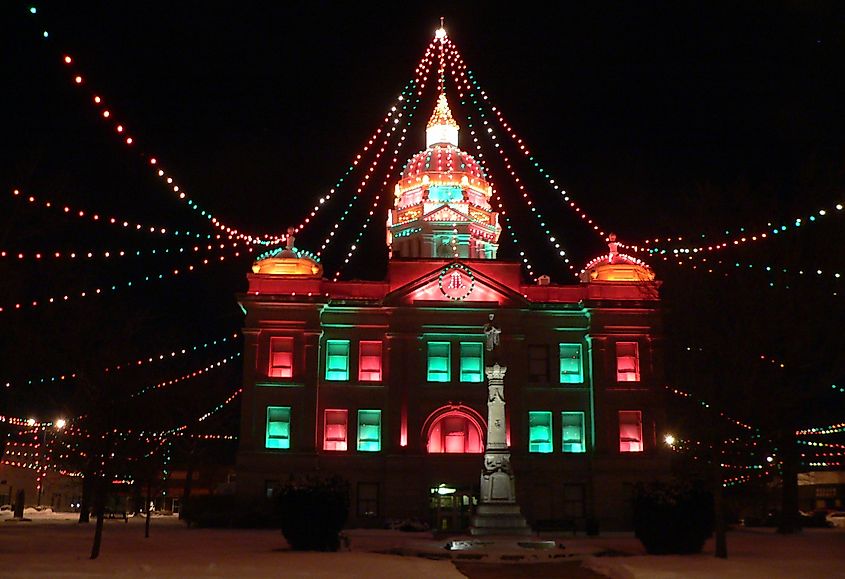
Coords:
pixel 499 519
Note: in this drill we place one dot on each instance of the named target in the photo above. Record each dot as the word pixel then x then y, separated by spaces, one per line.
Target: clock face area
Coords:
pixel 456 282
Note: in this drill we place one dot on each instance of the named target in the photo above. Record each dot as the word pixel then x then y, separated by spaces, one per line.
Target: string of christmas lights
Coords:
pixel 132 363
pixel 188 376
pixel 124 135
pixel 467 76
pixel 419 81
pixel 538 215
pixel 704 404
pixel 377 199
pixel 111 220
pixel 106 253
pixel 741 238
pixel 115 287
pixel 838 428
pixel 410 88
pixel 496 199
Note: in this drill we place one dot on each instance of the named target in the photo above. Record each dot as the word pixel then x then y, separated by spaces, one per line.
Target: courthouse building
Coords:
pixel 383 382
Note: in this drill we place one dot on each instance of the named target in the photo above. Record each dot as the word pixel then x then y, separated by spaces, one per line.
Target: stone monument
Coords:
pixel 497 512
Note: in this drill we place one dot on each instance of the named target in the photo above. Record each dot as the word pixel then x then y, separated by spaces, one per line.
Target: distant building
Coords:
pixel 383 382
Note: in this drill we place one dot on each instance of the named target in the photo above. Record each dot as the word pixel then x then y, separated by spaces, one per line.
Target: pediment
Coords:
pixel 445 213
pixel 454 283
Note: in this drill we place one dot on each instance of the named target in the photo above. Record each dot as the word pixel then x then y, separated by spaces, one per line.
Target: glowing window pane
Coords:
pixel 573 432
pixel 277 434
pixel 540 431
pixel 281 358
pixel 571 367
pixel 369 362
pixel 438 361
pixel 335 430
pixel 627 362
pixel 630 431
pixel 472 360
pixel 369 430
pixel 337 360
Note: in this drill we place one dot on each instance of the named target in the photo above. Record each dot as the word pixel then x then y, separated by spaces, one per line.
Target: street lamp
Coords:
pixel 59 424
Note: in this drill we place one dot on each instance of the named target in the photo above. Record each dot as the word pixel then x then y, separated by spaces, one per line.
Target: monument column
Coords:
pixel 497 512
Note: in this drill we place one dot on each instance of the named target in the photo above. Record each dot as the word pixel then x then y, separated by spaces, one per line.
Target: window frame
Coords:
pixel 623 375
pixel 432 375
pixel 361 443
pixel 362 344
pixel 563 427
pixel 271 367
pixel 546 446
pixel 326 441
pixel 638 424
pixel 566 378
pixel 284 442
pixel 330 371
pixel 479 357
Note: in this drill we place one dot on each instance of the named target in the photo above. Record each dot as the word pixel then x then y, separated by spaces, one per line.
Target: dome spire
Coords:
pixel 441 127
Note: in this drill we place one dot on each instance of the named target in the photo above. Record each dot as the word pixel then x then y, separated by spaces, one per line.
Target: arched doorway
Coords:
pixel 454 429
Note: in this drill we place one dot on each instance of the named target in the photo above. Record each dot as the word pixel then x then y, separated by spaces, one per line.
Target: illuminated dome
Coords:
pixel 288 260
pixel 442 199
pixel 616 267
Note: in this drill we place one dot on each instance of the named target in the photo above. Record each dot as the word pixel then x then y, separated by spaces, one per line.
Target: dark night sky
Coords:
pixel 659 118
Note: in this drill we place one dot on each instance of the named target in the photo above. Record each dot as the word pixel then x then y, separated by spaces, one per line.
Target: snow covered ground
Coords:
pixel 54 545
pixel 752 554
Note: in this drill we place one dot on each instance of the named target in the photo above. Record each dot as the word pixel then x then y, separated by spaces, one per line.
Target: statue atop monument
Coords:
pixel 492 346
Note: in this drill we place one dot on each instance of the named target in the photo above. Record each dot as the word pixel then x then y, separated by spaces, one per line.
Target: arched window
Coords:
pixel 455 429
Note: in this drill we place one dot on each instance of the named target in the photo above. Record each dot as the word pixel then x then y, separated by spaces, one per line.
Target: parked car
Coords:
pixel 836 518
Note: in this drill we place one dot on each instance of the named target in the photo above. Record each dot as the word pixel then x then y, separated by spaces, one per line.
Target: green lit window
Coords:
pixel 278 427
pixel 369 430
pixel 573 432
pixel 337 360
pixel 571 367
pixel 540 431
pixel 438 361
pixel 472 360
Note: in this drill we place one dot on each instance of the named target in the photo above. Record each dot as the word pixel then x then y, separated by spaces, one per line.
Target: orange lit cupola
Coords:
pixel 442 201
pixel 616 267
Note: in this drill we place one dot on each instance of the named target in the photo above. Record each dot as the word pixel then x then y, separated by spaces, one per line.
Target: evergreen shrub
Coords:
pixel 313 512
pixel 672 517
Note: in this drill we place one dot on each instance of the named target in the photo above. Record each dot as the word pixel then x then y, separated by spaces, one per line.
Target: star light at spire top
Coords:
pixel 440 33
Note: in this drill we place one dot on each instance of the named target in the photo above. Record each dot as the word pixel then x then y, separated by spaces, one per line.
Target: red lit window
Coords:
pixel 454 432
pixel 627 362
pixel 281 358
pixel 630 431
pixel 335 430
pixel 369 362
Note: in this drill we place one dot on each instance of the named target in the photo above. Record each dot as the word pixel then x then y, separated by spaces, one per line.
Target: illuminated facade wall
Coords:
pixel 383 383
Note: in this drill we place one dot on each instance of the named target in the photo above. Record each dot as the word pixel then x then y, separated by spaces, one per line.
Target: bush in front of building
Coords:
pixel 313 511
pixel 672 517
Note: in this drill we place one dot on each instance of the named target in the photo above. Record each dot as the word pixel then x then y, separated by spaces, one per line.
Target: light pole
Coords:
pixel 59 424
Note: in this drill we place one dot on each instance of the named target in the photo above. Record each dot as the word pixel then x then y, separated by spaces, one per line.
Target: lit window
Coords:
pixel 337 360
pixel 573 431
pixel 438 361
pixel 630 431
pixel 454 432
pixel 369 362
pixel 369 430
pixel 335 430
pixel 539 432
pixel 571 368
pixel 472 359
pixel 627 362
pixel 538 364
pixel 278 427
pixel 281 358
